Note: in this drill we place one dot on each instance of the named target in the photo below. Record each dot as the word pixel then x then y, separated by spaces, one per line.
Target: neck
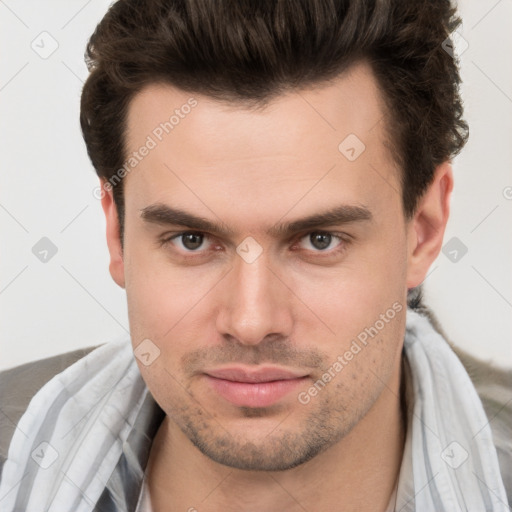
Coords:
pixel 360 471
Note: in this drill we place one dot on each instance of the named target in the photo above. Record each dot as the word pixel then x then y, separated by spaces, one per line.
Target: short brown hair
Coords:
pixel 249 51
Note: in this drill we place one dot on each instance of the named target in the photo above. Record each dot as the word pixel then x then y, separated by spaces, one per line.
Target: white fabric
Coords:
pixel 87 412
pixel 452 455
pixel 144 504
pixel 87 427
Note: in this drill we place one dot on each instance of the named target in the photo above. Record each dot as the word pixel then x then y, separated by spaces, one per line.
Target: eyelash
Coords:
pixel 344 238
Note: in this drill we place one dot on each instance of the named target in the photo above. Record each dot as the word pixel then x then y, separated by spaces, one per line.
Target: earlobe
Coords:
pixel 426 229
pixel 116 266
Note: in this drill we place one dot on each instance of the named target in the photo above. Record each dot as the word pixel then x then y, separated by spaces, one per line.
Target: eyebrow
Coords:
pixel 162 214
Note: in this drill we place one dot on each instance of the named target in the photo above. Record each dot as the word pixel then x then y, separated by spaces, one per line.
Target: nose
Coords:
pixel 255 303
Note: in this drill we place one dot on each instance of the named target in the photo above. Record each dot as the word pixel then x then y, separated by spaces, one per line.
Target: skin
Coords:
pixel 298 306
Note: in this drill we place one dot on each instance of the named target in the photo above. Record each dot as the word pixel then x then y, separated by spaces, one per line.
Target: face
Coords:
pixel 270 336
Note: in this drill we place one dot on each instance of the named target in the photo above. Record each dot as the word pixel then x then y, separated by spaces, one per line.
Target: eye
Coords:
pixel 320 241
pixel 188 241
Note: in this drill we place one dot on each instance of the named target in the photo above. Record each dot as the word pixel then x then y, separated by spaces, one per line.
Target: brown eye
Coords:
pixel 323 244
pixel 187 241
pixel 192 241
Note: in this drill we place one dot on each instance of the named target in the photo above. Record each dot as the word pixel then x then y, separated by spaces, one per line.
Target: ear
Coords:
pixel 426 229
pixel 116 266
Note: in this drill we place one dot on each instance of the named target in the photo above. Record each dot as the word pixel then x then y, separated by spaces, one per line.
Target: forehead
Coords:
pixel 327 142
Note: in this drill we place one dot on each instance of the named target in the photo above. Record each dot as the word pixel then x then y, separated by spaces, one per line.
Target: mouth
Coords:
pixel 254 388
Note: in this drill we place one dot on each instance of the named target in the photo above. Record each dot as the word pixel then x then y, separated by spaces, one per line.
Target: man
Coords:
pixel 276 180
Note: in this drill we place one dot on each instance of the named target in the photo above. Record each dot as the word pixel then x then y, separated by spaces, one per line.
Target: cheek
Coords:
pixel 352 297
pixel 161 295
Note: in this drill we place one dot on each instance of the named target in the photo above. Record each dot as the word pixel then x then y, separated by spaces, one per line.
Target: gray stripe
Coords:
pixel 45 433
pixel 124 486
pixel 432 486
pixel 136 391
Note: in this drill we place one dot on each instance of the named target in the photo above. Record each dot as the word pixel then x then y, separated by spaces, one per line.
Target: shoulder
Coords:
pixel 494 387
pixel 19 384
pixel 493 384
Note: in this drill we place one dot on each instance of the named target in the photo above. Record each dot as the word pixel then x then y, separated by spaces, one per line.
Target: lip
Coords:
pixel 262 387
pixel 262 374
